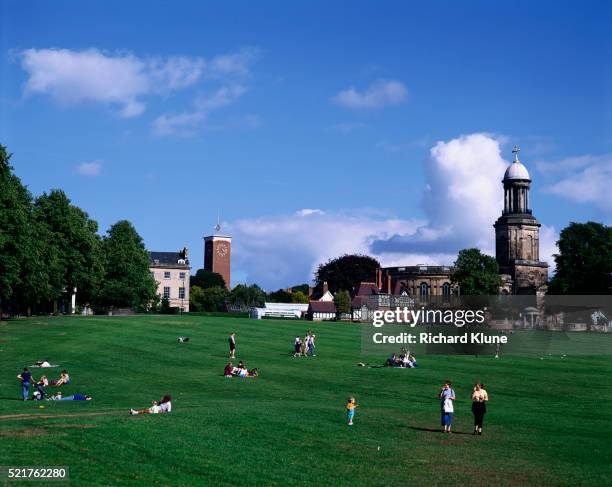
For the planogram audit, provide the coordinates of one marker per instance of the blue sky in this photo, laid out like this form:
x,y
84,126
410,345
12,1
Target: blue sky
x,y
314,127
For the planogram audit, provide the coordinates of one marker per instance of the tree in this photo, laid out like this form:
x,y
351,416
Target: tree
x,y
299,297
584,261
347,272
210,299
342,301
280,296
247,296
127,281
206,279
76,246
476,273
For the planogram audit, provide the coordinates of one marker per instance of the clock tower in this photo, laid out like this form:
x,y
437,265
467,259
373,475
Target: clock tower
x,y
217,254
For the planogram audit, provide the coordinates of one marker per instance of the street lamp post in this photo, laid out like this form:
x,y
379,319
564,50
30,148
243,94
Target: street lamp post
x,y
183,298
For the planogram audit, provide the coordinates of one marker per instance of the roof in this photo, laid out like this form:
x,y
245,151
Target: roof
x,y
167,259
367,289
516,170
321,307
356,302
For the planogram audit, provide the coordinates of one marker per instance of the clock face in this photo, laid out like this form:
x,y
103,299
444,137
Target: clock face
x,y
222,250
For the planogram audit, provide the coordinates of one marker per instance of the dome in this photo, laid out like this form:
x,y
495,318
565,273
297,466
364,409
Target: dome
x,y
516,171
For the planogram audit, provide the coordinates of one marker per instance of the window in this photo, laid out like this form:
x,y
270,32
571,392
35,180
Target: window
x,y
181,293
424,289
446,289
166,274
167,292
181,275
152,274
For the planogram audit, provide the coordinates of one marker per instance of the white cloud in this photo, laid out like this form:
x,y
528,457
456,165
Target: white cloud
x,y
586,179
379,94
462,200
186,124
89,168
121,79
277,251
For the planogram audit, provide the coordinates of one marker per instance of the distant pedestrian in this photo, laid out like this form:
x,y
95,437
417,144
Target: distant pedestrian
x,y
26,379
232,345
350,410
479,406
447,396
297,346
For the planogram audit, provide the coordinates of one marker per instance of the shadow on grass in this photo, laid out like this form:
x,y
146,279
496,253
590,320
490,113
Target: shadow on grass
x,y
435,430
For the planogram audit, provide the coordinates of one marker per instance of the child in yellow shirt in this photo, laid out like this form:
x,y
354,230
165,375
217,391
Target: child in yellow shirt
x,y
350,410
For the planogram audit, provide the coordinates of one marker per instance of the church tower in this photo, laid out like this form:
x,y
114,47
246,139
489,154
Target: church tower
x,y
217,254
517,235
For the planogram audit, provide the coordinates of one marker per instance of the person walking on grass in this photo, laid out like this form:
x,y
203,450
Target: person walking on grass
x,y
447,396
479,406
232,345
26,379
350,410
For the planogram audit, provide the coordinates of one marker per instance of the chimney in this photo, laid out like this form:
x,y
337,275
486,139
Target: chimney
x,y
325,287
379,279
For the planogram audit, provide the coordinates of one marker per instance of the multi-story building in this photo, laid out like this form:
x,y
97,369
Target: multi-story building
x,y
171,271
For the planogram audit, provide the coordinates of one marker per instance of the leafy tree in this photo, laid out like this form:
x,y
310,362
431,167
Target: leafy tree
x,y
247,296
206,279
299,297
280,296
584,261
347,272
24,254
75,243
476,273
303,288
127,280
210,299
342,300
164,307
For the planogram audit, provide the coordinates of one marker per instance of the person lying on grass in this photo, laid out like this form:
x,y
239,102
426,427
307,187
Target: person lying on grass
x,y
63,379
73,397
163,406
42,363
242,371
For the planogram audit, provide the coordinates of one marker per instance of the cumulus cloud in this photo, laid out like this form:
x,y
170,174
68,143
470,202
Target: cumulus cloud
x,y
277,251
89,168
120,79
586,179
379,94
461,201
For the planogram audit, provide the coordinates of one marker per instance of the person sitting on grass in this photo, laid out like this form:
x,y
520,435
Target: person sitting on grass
x,y
63,379
244,372
73,397
163,406
229,370
40,393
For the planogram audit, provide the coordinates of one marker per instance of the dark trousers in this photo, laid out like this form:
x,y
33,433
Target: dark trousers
x,y
479,409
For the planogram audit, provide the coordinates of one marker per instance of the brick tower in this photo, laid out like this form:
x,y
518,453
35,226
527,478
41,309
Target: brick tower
x,y
218,253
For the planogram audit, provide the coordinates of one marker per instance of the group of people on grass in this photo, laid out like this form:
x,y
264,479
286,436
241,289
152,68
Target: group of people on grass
x,y
164,405
239,370
305,347
447,408
405,359
39,392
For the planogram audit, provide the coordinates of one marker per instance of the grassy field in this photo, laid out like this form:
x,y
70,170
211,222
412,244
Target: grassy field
x,y
548,422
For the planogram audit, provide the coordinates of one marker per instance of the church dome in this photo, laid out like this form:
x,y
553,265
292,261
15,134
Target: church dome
x,y
516,170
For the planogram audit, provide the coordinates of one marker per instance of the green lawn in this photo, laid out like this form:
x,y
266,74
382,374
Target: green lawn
x,y
548,422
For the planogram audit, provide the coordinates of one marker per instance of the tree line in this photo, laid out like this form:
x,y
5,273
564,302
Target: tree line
x,y
49,247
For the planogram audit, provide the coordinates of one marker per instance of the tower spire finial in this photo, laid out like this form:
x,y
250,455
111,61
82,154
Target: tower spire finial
x,y
218,225
515,151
